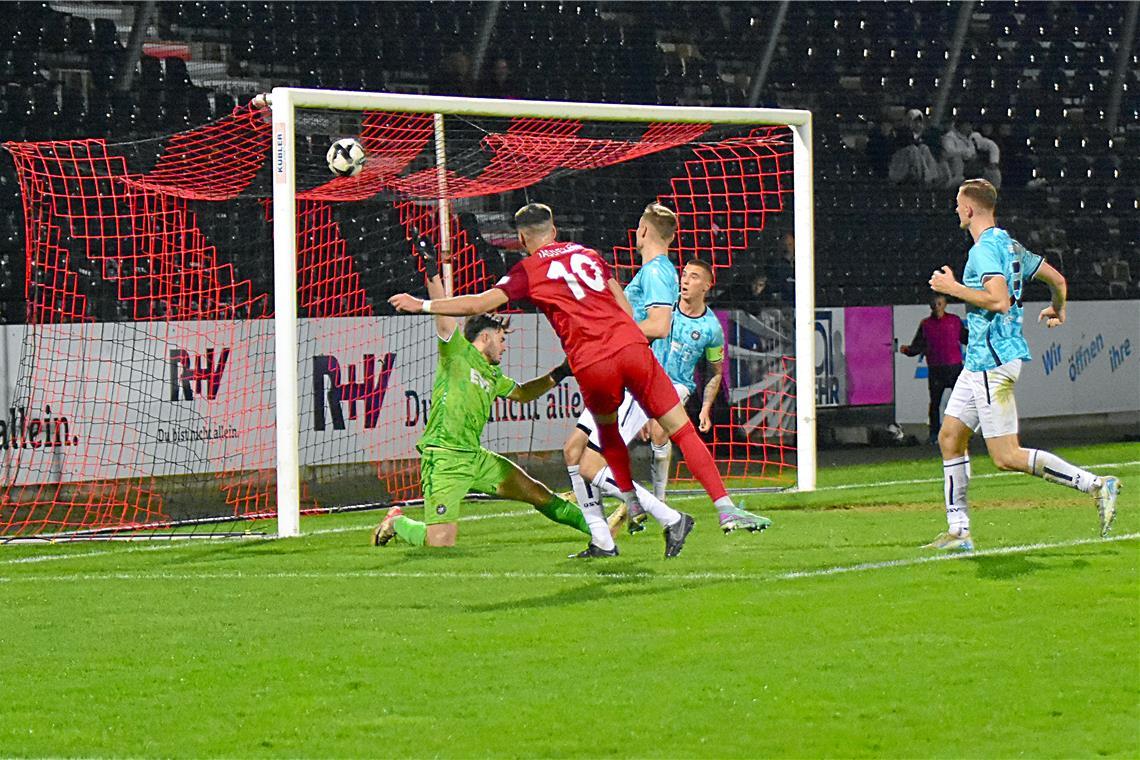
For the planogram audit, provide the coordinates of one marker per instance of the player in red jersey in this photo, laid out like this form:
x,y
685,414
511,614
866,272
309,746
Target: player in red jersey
x,y
573,286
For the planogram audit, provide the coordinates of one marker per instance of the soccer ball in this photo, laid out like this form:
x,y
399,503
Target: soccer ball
x,y
345,157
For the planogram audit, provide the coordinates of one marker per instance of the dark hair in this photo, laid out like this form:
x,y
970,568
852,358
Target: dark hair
x,y
480,322
534,215
702,264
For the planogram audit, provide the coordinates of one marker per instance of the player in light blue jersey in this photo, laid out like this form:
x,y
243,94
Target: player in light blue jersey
x,y
996,271
696,334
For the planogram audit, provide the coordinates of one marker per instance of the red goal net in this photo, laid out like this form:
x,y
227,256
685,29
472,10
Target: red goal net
x,y
139,395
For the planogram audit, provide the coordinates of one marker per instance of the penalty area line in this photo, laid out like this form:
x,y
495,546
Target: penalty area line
x,y
986,476
602,574
997,551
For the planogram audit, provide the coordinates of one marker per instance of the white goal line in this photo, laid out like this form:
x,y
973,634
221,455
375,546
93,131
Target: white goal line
x,y
601,573
496,516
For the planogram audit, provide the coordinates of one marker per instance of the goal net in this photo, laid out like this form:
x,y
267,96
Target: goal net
x,y
208,341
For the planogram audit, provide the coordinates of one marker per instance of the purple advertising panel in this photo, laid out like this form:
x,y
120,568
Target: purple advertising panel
x,y
869,350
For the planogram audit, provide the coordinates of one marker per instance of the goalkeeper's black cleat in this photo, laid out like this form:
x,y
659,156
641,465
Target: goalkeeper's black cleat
x,y
593,550
676,534
426,250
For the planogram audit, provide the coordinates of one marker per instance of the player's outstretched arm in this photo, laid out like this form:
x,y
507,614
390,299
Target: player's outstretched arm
x,y
708,397
532,389
457,306
444,326
994,295
429,254
1054,313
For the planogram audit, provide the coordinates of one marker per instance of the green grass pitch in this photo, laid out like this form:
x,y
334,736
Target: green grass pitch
x,y
832,634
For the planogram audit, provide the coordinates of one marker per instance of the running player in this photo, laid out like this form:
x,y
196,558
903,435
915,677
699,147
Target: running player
x,y
573,286
996,268
452,462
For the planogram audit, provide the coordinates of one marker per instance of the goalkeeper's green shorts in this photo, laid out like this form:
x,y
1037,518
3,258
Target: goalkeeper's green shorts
x,y
448,476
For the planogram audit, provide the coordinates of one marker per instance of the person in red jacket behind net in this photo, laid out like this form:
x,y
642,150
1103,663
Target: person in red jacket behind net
x,y
941,337
573,286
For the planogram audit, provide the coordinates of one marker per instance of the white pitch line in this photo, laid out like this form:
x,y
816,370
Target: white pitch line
x,y
995,552
83,555
558,575
517,513
919,481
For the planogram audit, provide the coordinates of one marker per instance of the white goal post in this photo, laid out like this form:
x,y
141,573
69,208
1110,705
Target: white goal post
x,y
285,102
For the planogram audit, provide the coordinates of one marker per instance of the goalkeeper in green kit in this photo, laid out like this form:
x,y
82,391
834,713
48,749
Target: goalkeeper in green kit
x,y
468,378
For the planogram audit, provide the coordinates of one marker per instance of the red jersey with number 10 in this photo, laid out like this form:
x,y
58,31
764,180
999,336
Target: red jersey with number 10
x,y
568,283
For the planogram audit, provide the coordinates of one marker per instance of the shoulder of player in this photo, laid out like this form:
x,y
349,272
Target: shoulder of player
x,y
987,245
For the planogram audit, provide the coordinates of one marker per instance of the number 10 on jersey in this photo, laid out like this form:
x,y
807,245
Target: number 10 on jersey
x,y
582,271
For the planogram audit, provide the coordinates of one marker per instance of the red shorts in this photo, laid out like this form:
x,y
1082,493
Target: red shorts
x,y
633,368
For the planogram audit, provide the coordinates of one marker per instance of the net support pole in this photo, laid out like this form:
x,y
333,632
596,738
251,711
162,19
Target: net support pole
x,y
445,270
285,331
805,305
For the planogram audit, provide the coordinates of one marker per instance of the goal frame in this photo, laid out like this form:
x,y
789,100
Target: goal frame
x,y
284,102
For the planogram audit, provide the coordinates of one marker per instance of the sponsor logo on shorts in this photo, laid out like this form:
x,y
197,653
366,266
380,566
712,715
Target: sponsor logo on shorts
x,y
441,509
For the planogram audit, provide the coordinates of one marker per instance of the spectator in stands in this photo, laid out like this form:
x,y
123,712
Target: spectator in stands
x,y
498,83
958,150
880,144
453,77
915,161
780,274
941,337
989,155
1115,271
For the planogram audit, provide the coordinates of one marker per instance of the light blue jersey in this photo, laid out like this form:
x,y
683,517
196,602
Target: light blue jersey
x,y
655,284
996,338
690,339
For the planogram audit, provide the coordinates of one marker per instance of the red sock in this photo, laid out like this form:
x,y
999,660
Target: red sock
x,y
699,460
617,455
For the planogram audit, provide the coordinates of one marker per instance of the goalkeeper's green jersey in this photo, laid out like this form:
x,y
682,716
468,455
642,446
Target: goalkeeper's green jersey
x,y
466,385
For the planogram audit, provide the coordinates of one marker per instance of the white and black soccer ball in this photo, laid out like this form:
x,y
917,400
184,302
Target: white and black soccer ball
x,y
345,157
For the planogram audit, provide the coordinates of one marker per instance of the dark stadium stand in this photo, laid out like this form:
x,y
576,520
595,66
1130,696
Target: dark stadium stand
x,y
1037,76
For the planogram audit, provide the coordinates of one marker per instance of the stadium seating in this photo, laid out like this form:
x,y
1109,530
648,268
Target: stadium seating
x,y
1039,76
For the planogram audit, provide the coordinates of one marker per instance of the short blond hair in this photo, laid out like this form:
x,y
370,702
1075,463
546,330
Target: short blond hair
x,y
980,191
662,220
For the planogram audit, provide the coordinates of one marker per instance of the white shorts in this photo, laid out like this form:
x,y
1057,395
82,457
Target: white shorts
x,y
985,400
631,418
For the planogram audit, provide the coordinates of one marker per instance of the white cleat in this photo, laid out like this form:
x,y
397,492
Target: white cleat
x,y
1106,503
952,542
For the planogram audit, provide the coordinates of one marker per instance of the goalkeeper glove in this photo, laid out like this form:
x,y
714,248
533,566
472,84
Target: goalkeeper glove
x,y
561,372
427,252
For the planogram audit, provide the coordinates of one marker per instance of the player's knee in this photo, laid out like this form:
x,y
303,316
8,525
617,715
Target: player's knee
x,y
572,451
948,442
441,534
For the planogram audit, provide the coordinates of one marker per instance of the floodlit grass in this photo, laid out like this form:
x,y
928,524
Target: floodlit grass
x,y
746,645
